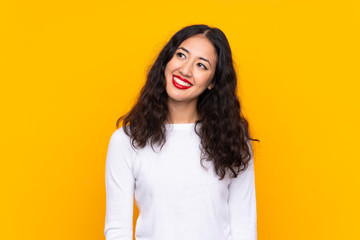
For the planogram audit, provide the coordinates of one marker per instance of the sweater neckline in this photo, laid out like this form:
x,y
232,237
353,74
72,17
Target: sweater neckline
x,y
180,126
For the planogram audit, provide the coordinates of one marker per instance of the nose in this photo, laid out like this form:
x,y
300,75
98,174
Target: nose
x,y
186,69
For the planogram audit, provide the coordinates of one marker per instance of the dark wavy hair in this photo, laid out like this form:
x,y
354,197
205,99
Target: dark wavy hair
x,y
224,131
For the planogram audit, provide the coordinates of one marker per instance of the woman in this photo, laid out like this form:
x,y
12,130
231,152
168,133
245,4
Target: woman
x,y
184,149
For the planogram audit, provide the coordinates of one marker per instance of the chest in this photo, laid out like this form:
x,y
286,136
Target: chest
x,y
176,171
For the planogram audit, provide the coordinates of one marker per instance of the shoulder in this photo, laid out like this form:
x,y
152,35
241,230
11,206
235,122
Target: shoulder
x,y
119,137
251,150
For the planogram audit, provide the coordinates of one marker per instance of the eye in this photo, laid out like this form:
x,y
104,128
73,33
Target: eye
x,y
202,66
180,54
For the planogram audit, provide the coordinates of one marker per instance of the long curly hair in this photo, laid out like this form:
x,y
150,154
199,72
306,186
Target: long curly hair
x,y
224,131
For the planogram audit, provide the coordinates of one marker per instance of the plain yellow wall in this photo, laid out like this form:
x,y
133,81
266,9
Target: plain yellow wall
x,y
69,69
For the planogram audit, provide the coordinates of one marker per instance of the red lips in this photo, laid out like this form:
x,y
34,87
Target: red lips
x,y
182,79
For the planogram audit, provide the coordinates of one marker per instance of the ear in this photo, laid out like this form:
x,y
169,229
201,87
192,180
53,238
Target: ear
x,y
211,85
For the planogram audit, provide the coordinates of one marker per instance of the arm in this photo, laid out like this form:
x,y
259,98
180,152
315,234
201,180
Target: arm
x,y
242,204
119,183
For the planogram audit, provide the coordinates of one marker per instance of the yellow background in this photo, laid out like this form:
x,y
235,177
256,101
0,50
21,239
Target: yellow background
x,y
69,69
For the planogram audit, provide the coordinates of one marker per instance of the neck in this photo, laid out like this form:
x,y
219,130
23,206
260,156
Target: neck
x,y
180,112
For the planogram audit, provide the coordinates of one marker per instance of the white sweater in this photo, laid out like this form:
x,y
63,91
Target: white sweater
x,y
177,198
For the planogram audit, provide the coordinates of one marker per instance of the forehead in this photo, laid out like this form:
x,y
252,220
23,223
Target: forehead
x,y
200,46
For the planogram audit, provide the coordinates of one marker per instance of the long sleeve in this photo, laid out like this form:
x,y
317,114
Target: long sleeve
x,y
242,204
119,183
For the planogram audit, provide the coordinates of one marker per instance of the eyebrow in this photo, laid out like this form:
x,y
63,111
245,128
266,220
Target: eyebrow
x,y
199,57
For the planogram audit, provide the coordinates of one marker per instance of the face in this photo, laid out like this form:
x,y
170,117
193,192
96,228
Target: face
x,y
190,70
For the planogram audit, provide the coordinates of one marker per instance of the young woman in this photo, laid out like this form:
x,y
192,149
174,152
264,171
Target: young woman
x,y
184,149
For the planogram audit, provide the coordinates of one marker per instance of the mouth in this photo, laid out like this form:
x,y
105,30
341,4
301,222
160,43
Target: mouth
x,y
180,82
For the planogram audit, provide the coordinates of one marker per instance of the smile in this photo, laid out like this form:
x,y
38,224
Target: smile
x,y
180,82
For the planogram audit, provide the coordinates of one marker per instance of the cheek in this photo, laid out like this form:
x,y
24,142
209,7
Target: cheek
x,y
166,68
168,72
206,79
170,64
